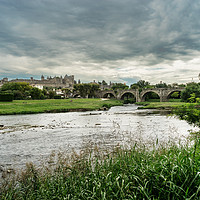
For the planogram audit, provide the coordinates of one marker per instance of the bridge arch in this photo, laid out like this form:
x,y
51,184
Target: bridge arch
x,y
128,95
109,94
171,92
144,94
77,95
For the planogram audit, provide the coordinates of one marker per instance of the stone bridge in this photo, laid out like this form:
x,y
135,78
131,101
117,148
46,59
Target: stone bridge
x,y
163,93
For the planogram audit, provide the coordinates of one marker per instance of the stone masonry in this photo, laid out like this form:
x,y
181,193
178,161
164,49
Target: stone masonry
x,y
55,82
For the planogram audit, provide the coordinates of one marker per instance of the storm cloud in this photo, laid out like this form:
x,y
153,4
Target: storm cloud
x,y
113,40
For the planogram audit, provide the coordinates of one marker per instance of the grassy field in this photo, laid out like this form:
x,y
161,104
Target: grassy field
x,y
160,174
66,105
54,105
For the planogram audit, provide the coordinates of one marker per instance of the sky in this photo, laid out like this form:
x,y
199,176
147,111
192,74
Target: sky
x,y
113,40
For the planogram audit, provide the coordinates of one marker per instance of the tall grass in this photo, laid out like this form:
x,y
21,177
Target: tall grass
x,y
163,173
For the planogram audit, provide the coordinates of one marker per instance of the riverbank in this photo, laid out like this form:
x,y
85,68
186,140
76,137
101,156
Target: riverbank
x,y
55,106
160,105
72,105
136,173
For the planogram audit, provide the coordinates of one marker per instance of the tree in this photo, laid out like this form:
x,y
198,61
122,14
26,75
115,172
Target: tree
x,y
18,94
86,89
93,88
191,88
161,85
21,86
20,90
51,94
134,86
192,98
44,91
36,93
175,95
182,85
67,92
82,89
120,86
143,84
6,96
104,83
151,95
189,113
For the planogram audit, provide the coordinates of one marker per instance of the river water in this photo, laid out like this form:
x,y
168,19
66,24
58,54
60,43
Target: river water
x,y
31,138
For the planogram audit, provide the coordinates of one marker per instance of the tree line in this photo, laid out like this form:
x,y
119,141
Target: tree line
x,y
22,90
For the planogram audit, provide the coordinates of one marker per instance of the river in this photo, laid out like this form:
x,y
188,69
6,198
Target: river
x,y
32,138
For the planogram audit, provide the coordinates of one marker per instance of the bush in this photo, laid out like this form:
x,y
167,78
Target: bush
x,y
107,105
127,101
36,93
190,113
57,97
18,94
191,92
6,96
51,94
43,96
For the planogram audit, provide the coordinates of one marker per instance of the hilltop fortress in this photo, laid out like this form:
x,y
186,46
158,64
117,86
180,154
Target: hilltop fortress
x,y
55,82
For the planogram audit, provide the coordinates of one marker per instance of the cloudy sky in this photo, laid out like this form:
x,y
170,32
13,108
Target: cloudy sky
x,y
112,40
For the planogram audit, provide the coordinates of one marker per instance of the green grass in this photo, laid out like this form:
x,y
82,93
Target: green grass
x,y
160,105
163,174
54,105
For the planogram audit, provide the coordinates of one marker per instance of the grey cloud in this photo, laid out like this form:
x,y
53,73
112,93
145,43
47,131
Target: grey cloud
x,y
58,33
105,22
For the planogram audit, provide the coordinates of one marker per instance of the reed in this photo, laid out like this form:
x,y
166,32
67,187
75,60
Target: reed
x,y
171,173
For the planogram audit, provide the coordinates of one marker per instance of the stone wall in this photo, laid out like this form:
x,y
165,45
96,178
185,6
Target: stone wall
x,y
56,82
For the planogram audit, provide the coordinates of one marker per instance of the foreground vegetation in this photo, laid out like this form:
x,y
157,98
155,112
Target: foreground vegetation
x,y
54,105
162,173
190,113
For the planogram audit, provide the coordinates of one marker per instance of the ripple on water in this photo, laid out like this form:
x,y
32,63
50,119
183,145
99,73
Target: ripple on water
x,y
30,138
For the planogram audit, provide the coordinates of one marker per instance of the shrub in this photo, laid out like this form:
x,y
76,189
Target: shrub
x,y
51,94
190,113
6,96
192,90
36,93
57,97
